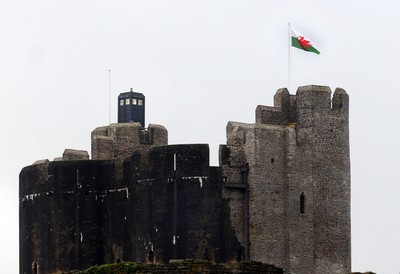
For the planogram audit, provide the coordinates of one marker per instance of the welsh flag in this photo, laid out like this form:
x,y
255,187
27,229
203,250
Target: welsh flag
x,y
302,42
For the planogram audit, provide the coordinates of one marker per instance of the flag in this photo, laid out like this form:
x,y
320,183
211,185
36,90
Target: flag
x,y
302,42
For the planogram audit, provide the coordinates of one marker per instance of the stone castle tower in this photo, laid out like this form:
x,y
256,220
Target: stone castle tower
x,y
299,180
281,194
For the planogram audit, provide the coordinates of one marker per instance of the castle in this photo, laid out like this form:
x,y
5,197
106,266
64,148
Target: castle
x,y
280,195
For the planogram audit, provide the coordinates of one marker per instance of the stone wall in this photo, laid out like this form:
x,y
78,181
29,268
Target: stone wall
x,y
61,213
122,139
179,206
74,154
168,205
119,141
299,181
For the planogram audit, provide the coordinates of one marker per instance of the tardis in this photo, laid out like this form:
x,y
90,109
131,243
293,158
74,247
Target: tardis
x,y
131,107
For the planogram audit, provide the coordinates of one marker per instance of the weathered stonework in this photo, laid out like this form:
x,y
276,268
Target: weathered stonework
x,y
298,152
119,141
73,155
281,194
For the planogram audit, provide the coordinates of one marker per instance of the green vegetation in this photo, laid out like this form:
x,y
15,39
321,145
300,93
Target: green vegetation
x,y
181,266
121,268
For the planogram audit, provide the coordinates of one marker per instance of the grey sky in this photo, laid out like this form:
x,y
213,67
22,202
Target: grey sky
x,y
200,64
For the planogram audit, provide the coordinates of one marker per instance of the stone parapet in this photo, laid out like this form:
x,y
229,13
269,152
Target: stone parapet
x,y
122,139
74,155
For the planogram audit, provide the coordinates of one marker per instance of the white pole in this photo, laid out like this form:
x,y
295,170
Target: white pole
x,y
290,43
109,96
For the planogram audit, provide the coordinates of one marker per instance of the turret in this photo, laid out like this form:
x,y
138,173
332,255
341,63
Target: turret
x,y
298,181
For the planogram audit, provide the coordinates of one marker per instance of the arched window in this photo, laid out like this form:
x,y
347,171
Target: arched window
x,y
302,203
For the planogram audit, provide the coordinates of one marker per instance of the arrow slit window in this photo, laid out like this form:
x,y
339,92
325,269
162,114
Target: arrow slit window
x,y
302,203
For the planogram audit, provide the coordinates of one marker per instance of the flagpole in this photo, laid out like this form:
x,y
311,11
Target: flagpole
x,y
289,56
109,97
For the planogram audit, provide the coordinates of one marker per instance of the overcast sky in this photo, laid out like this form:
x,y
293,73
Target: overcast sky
x,y
200,64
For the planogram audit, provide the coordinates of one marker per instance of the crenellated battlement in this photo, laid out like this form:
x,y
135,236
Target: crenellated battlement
x,y
302,107
279,114
340,100
120,140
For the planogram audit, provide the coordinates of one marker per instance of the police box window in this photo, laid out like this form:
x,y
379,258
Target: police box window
x,y
121,102
127,101
134,101
140,102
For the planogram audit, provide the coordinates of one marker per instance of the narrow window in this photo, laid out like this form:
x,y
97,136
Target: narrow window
x,y
140,102
272,160
206,255
121,102
134,101
35,268
127,101
302,203
150,257
239,255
